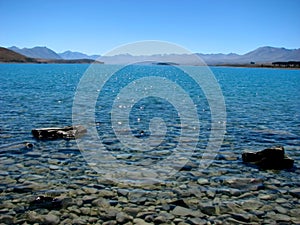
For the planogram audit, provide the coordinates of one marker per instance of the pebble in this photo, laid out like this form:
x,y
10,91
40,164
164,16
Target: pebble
x,y
210,196
241,217
122,217
280,209
51,219
160,219
6,219
181,211
139,221
202,181
281,218
295,192
79,221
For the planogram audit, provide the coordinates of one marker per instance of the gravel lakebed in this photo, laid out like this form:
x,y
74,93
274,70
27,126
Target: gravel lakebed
x,y
227,192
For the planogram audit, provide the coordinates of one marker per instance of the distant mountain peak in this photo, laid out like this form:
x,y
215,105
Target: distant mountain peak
x,y
264,54
77,55
41,52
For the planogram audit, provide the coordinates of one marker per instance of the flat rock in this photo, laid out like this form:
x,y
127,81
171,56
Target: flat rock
x,y
6,219
269,158
295,192
181,211
139,221
52,133
122,217
51,219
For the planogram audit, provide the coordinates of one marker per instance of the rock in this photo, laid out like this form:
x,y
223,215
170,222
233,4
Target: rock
x,y
281,218
51,133
79,221
132,211
33,217
6,219
269,158
252,205
46,202
208,209
51,219
295,192
111,222
197,221
160,219
181,211
241,217
85,210
178,202
122,217
138,221
202,181
281,210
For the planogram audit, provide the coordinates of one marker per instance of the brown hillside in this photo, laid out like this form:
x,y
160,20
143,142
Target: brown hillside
x,y
7,55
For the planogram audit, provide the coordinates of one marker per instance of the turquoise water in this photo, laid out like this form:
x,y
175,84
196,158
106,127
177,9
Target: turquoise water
x,y
262,105
262,108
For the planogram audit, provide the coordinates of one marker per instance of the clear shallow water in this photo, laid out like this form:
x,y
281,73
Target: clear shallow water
x,y
262,107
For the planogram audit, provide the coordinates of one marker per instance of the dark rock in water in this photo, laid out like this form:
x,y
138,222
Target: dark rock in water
x,y
28,145
270,158
51,133
46,203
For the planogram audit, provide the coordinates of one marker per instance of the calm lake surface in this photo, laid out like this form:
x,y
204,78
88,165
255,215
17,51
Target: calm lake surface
x,y
262,110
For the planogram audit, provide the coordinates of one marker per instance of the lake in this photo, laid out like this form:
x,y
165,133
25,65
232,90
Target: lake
x,y
164,140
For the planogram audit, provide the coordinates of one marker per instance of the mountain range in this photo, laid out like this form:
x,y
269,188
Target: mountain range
x,y
46,53
260,55
10,56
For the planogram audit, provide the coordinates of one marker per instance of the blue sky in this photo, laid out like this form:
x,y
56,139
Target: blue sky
x,y
95,27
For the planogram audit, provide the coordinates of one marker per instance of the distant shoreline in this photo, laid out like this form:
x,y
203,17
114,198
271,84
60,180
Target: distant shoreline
x,y
44,62
268,66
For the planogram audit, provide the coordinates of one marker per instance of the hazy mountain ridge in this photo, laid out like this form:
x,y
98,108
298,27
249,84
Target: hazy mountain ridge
x,y
36,52
265,54
10,56
77,55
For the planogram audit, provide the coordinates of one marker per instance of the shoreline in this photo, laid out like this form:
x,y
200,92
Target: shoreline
x,y
267,66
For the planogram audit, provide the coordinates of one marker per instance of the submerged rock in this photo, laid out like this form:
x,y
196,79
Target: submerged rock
x,y
46,202
269,158
51,133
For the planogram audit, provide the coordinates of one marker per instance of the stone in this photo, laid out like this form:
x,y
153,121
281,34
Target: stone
x,y
111,222
202,181
295,192
281,218
269,158
122,217
181,211
197,221
85,210
209,210
51,219
241,217
160,219
266,197
52,133
139,221
33,217
280,209
79,221
45,202
178,202
132,211
6,219
252,205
